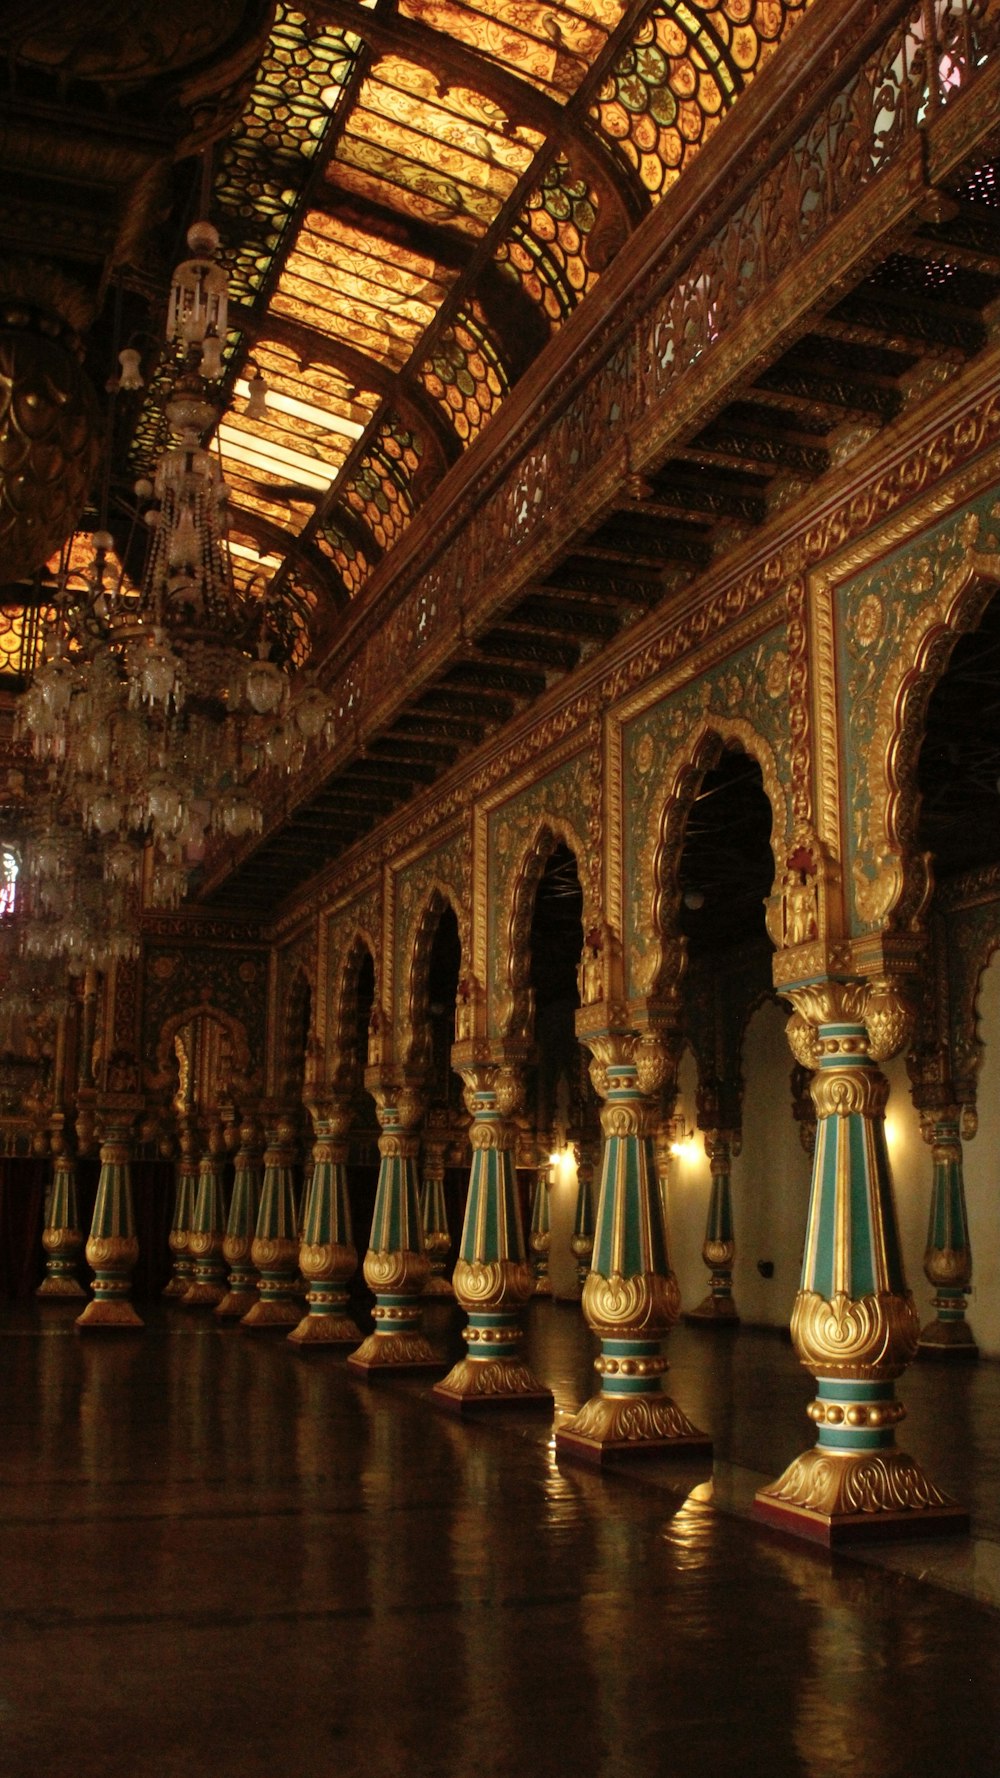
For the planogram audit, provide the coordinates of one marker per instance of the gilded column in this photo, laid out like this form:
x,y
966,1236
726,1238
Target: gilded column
x,y
396,1266
630,1299
182,1222
328,1258
948,1254
437,1235
493,1279
62,1237
241,1226
208,1228
719,1247
112,1248
274,1251
582,1242
540,1238
854,1324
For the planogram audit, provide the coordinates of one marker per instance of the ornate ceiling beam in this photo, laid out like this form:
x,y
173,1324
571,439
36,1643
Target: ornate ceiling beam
x,y
457,65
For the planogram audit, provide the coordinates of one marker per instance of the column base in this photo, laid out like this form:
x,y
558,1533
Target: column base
x,y
838,1497
394,1352
478,1383
60,1285
325,1330
272,1312
176,1287
715,1311
203,1295
630,1426
438,1287
947,1339
116,1312
234,1305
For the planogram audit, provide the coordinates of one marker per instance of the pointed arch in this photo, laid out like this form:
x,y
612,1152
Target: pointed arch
x,y
700,752
891,877
345,1058
418,942
515,1013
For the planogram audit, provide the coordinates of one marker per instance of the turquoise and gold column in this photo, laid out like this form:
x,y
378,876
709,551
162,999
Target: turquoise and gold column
x,y
208,1229
328,1258
719,1247
433,1211
948,1255
540,1237
854,1324
182,1222
241,1226
112,1248
630,1299
582,1242
62,1237
396,1267
493,1279
274,1251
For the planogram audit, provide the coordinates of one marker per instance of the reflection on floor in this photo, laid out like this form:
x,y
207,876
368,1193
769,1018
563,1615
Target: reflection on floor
x,y
221,1555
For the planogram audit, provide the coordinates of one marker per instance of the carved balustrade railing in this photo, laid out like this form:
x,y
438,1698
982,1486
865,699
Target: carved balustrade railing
x,y
853,132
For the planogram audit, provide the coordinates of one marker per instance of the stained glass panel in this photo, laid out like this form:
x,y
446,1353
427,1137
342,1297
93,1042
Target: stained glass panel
x,y
686,66
347,557
373,293
465,374
379,491
551,45
265,163
546,249
439,157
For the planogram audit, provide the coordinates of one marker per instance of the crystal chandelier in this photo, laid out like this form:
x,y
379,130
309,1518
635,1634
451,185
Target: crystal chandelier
x,y
157,705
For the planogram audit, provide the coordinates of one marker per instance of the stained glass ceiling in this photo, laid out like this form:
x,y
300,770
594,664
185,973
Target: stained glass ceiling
x,y
416,198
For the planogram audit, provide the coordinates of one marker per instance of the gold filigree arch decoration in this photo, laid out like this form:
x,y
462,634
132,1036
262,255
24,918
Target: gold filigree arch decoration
x,y
516,1012
896,895
345,1059
966,976
700,752
417,945
216,1057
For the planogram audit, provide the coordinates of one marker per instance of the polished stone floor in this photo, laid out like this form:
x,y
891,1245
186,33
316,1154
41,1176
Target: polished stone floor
x,y
219,1555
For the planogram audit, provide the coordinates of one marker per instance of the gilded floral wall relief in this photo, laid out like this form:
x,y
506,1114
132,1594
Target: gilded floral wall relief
x,y
666,751
897,624
178,980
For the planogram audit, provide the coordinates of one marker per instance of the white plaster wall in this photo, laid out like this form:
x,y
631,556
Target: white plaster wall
x,y
687,1195
770,1177
770,1181
562,1217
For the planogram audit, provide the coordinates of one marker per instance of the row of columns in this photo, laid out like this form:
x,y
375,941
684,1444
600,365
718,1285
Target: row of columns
x,y
854,1325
